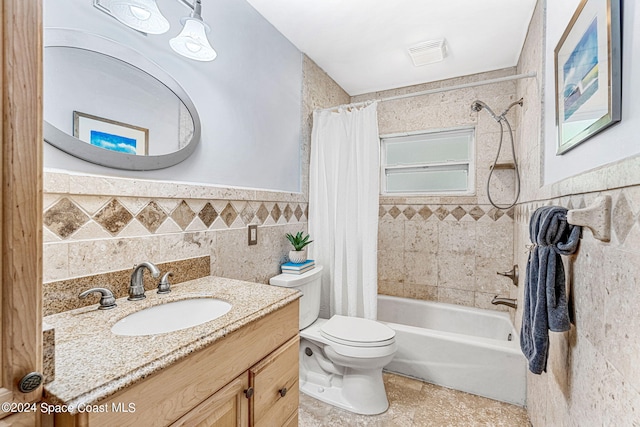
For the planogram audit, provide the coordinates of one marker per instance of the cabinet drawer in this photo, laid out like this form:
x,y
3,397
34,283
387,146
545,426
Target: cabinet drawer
x,y
275,384
228,407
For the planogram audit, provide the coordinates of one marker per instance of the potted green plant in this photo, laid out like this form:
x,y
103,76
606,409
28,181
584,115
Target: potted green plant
x,y
299,242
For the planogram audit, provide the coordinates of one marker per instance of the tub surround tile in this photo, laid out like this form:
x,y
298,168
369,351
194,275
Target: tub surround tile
x,y
448,247
62,295
391,266
391,288
456,296
419,291
79,382
391,234
420,268
483,300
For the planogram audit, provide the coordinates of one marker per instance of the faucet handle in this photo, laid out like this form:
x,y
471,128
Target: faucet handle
x,y
107,300
164,287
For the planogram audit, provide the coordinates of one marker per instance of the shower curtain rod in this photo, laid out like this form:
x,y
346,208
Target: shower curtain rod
x,y
437,90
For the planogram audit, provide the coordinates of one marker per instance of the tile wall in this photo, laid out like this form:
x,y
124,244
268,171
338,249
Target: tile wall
x,y
449,248
593,372
97,227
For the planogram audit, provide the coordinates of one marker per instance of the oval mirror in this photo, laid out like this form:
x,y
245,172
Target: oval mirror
x,y
107,104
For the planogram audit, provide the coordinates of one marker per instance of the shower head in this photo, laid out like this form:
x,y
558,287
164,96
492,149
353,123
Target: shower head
x,y
478,105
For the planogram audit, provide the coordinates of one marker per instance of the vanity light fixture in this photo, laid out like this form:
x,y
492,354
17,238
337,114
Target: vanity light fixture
x,y
145,17
141,15
192,41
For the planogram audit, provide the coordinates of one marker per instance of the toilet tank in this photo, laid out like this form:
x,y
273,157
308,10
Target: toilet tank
x,y
309,284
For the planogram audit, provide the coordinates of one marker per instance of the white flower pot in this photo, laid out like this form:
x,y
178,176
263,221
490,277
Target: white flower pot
x,y
298,256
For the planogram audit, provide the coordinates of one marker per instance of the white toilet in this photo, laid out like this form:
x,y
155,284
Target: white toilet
x,y
341,358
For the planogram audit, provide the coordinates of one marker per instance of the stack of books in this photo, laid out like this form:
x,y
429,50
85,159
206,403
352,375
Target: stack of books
x,y
298,268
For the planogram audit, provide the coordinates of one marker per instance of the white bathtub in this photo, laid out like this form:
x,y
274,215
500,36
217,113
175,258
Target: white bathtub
x,y
463,348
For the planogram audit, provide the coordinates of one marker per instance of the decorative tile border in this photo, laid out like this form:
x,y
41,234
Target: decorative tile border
x,y
67,215
443,212
623,216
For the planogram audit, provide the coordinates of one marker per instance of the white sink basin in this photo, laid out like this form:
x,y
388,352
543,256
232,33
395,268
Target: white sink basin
x,y
171,316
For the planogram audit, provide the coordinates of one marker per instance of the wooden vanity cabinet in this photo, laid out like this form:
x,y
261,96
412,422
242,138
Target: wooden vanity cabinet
x,y
266,395
228,407
275,384
261,357
20,209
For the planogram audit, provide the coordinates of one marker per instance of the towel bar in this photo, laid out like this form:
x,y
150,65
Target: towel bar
x,y
596,218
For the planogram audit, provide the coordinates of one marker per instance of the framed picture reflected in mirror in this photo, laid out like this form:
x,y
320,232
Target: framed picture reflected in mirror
x,y
110,134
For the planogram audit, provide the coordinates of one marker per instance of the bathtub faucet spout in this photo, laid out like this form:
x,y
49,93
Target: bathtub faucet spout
x,y
509,302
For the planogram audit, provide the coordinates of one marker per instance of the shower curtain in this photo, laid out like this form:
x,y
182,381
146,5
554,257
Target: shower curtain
x,y
343,208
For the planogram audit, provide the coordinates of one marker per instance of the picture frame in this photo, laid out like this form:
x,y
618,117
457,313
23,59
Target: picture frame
x,y
588,73
110,134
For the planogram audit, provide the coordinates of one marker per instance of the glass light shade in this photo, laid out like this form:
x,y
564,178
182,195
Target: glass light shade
x,y
192,41
141,15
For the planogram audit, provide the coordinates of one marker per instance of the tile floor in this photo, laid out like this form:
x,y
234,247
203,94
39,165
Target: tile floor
x,y
413,403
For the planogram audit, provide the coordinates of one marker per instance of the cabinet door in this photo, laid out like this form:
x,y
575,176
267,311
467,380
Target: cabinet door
x,y
275,386
229,407
20,206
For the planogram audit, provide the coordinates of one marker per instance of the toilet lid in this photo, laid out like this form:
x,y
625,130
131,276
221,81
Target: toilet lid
x,y
357,332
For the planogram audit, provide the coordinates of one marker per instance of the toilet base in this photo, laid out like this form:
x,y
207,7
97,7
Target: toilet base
x,y
360,391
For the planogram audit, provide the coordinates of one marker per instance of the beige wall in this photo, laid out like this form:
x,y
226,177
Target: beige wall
x,y
593,375
443,248
98,225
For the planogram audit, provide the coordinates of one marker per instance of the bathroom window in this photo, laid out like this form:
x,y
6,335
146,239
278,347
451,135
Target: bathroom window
x,y
433,162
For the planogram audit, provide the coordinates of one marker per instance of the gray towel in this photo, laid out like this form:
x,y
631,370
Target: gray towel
x,y
545,296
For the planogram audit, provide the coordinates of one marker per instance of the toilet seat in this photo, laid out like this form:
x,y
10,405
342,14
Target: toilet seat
x,y
357,332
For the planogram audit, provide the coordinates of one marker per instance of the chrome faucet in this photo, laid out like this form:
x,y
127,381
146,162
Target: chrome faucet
x,y
136,286
164,287
107,300
509,302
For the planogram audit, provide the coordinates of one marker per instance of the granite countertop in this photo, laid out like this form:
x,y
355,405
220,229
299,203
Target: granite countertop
x,y
92,363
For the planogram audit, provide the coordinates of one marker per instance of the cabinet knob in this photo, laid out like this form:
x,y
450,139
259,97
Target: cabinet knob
x,y
249,392
283,392
30,382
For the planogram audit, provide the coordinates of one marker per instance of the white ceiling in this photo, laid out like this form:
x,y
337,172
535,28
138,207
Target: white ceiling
x,y
362,44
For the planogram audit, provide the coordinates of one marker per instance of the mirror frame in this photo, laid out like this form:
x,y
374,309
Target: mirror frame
x,y
63,37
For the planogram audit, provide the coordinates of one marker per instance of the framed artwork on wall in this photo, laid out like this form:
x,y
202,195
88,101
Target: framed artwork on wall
x,y
588,73
110,134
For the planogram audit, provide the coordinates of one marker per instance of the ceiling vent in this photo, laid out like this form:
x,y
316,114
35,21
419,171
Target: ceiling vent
x,y
428,52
